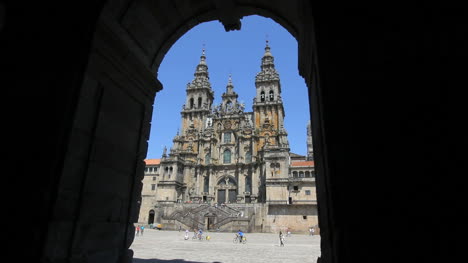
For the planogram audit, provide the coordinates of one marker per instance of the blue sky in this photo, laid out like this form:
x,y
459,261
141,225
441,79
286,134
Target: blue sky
x,y
237,53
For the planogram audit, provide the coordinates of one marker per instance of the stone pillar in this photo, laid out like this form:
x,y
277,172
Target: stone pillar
x,y
255,179
197,183
240,188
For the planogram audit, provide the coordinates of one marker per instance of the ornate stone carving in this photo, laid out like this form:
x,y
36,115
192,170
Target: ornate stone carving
x,y
227,124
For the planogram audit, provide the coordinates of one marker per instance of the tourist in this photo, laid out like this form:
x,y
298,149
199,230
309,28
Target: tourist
x,y
142,229
288,232
200,233
241,235
311,231
137,230
281,237
186,234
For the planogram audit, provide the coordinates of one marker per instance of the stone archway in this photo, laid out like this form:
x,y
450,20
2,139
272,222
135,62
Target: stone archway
x,y
79,219
151,215
210,220
108,122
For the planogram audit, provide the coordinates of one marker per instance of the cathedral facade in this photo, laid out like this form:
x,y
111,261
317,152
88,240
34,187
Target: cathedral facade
x,y
230,168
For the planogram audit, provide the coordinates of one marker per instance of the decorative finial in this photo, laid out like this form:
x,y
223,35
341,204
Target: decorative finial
x,y
203,49
266,40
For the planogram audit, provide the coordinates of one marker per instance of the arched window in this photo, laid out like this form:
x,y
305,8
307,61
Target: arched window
x,y
295,174
199,102
227,137
307,174
227,156
272,95
262,96
207,158
301,174
248,157
191,103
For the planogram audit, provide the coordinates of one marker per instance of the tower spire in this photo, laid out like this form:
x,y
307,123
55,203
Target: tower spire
x,y
268,71
230,94
201,75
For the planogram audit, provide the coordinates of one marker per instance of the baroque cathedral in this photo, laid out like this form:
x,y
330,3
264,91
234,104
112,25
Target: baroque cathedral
x,y
230,168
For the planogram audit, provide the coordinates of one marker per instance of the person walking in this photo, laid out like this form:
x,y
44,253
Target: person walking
x,y
137,228
186,234
142,228
288,231
281,237
311,230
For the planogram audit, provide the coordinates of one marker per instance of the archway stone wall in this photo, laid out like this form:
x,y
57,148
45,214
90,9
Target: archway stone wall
x,y
101,183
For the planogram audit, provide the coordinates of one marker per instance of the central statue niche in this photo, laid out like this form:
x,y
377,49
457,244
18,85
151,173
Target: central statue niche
x,y
227,190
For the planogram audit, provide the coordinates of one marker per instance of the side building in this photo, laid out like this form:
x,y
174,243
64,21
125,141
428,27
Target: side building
x,y
228,168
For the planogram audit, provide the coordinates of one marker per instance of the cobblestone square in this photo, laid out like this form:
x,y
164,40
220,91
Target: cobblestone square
x,y
169,246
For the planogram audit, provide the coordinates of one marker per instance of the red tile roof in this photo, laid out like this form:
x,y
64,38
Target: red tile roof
x,y
303,163
152,161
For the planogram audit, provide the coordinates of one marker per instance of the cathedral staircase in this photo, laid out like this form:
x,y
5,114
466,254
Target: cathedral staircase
x,y
195,217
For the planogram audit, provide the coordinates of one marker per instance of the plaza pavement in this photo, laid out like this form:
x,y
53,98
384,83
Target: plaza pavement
x,y
157,246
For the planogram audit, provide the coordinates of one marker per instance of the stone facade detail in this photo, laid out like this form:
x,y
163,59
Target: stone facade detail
x,y
228,168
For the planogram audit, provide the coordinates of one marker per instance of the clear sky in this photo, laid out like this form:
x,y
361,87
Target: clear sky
x,y
237,53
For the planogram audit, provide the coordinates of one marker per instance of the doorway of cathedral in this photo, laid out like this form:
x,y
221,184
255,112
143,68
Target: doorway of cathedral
x,y
221,196
232,195
227,190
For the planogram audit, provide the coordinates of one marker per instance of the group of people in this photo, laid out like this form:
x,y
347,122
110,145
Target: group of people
x,y
288,234
197,234
139,229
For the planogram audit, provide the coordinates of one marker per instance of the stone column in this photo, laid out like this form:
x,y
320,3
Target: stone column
x,y
197,183
241,188
255,178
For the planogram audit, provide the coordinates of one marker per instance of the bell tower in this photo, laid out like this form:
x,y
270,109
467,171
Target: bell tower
x,y
268,106
197,107
199,97
271,137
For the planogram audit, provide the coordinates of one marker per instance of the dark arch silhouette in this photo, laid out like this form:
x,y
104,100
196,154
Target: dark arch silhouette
x,y
93,90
